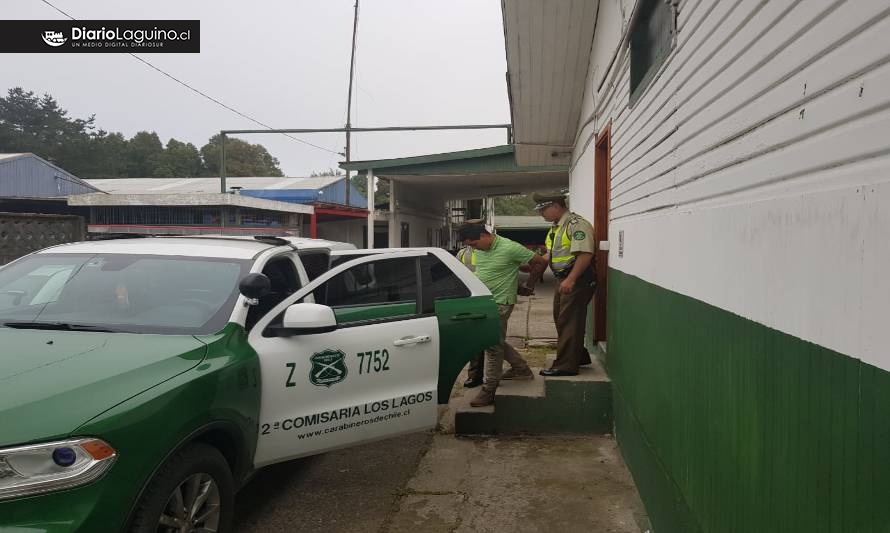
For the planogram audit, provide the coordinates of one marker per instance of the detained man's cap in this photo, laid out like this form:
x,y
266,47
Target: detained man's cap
x,y
545,198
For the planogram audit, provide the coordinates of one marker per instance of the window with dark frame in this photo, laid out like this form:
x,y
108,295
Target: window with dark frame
x,y
651,40
444,283
379,282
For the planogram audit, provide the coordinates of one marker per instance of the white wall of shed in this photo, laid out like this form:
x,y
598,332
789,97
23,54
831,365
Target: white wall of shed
x,y
413,204
752,174
351,231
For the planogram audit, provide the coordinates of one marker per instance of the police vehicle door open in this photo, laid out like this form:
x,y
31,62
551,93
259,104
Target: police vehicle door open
x,y
351,357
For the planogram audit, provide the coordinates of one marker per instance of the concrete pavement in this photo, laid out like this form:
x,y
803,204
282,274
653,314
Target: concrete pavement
x,y
532,316
345,491
519,484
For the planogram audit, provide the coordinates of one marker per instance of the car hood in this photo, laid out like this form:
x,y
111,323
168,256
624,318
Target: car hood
x,y
51,382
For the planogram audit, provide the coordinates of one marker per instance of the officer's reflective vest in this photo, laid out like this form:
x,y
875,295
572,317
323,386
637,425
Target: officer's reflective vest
x,y
560,247
467,256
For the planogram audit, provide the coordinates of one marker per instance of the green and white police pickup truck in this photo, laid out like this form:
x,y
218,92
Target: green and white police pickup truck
x,y
143,380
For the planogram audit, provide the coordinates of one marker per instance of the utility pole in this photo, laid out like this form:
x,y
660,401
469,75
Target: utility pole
x,y
349,110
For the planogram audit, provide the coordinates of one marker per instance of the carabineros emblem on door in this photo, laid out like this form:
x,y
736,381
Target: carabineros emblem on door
x,y
328,368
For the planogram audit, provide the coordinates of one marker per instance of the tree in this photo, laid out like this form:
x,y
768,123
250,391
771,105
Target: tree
x,y
325,173
38,124
242,159
178,160
105,156
144,155
29,123
514,205
381,188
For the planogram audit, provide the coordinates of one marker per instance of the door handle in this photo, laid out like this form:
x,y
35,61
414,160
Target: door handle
x,y
469,316
407,341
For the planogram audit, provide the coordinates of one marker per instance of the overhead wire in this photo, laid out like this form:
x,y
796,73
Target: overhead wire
x,y
207,96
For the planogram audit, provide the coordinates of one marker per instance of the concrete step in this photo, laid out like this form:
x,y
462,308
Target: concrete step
x,y
570,404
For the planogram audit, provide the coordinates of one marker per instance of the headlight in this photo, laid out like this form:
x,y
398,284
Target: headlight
x,y
38,468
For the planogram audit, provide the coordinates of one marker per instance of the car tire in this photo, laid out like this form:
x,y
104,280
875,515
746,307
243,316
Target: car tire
x,y
193,488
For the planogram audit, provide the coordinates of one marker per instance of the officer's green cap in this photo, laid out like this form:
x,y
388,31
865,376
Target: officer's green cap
x,y
545,198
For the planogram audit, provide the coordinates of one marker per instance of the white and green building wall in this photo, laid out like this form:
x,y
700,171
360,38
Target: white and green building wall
x,y
735,155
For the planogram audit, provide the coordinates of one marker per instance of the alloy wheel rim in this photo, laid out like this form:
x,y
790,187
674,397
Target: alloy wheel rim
x,y
193,506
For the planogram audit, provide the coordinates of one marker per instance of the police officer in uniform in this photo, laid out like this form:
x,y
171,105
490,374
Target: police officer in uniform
x,y
475,373
570,248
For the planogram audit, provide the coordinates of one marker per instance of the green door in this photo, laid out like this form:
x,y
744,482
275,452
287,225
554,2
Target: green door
x,y
467,324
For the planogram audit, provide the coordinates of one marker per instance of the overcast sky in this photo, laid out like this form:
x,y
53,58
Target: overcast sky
x,y
286,63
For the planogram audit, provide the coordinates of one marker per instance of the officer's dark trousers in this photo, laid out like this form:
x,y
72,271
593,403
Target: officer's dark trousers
x,y
570,316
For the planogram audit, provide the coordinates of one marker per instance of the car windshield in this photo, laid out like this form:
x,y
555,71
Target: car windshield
x,y
120,292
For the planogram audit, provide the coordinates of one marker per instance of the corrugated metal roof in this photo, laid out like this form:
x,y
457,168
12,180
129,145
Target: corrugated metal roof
x,y
326,189
520,222
26,175
429,158
334,193
207,185
493,160
186,200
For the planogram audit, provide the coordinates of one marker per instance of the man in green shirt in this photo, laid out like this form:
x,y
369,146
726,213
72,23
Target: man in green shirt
x,y
497,266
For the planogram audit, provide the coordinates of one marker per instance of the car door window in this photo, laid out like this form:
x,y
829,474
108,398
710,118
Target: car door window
x,y
444,282
372,291
284,281
337,260
315,262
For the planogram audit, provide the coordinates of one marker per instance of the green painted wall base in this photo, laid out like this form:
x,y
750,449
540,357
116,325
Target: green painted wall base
x,y
568,405
729,426
664,502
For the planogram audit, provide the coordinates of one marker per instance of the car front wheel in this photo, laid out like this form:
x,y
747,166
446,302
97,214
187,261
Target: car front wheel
x,y
192,491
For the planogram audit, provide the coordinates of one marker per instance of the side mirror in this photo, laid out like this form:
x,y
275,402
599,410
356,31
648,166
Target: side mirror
x,y
306,319
254,286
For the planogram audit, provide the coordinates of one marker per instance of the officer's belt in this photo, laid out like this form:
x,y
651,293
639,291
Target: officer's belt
x,y
563,274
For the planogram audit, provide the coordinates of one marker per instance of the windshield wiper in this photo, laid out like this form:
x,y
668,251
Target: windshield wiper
x,y
58,326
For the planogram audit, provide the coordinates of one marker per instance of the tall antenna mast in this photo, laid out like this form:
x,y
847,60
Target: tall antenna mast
x,y
349,110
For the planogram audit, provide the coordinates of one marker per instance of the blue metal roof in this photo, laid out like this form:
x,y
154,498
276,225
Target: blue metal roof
x,y
335,193
29,176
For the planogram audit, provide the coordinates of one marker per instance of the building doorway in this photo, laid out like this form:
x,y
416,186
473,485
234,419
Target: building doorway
x,y
602,185
405,235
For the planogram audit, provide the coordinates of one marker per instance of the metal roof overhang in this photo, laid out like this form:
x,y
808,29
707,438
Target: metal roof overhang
x,y
467,174
185,200
548,50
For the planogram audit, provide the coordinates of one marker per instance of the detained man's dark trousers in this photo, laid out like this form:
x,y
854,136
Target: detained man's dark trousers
x,y
477,367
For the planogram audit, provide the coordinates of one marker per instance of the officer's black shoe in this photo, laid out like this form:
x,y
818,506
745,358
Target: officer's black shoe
x,y
551,372
472,382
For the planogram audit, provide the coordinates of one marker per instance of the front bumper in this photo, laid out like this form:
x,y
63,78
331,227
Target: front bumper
x,y
102,506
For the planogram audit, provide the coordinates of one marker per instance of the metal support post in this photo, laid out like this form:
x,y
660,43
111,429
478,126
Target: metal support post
x,y
222,163
370,196
395,230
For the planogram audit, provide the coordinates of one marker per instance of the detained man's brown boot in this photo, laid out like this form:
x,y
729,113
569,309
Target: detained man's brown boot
x,y
485,397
